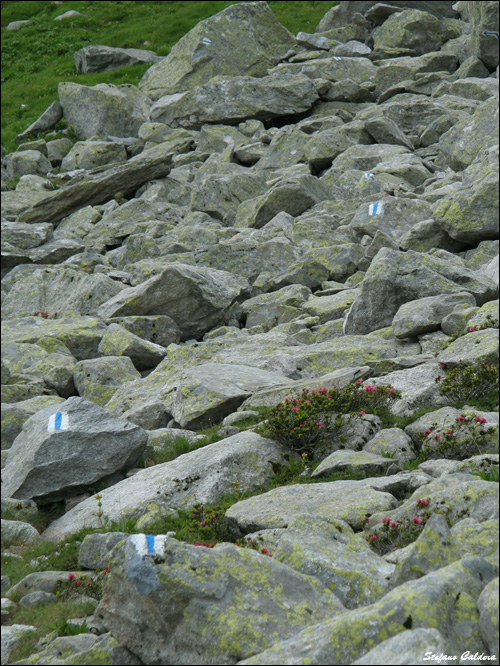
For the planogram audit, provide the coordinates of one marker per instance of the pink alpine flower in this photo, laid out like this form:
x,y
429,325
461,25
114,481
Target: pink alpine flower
x,y
373,537
416,520
427,432
362,413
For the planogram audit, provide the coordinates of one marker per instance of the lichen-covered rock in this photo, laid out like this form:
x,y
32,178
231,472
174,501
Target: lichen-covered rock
x,y
242,39
104,109
231,100
488,615
97,58
220,604
118,341
96,549
425,314
97,379
27,162
334,500
392,442
442,600
477,538
352,461
92,154
76,443
408,647
15,533
205,475
473,348
195,298
15,414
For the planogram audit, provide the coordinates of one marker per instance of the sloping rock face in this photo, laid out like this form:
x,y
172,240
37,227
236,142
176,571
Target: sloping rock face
x,y
264,215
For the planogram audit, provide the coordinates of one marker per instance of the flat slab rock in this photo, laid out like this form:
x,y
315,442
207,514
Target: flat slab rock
x,y
205,475
350,501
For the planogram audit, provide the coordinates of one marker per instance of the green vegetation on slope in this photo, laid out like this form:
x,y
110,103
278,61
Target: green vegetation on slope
x,y
39,55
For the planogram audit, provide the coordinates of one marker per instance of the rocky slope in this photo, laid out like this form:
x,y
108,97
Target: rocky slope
x,y
263,214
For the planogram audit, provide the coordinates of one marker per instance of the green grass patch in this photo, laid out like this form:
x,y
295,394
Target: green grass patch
x,y
39,55
47,618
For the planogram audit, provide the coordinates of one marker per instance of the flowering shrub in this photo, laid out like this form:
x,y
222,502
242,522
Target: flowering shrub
x,y
398,534
89,587
45,314
468,382
462,440
306,422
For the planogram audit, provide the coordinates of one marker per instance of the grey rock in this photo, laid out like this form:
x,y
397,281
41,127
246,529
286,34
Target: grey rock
x,y
384,130
408,647
96,443
97,58
101,187
28,162
15,533
426,314
205,475
231,100
26,236
104,109
97,379
352,461
324,642
38,598
12,636
473,348
96,549
387,286
393,442
333,500
488,615
218,591
195,298
49,118
92,154
118,341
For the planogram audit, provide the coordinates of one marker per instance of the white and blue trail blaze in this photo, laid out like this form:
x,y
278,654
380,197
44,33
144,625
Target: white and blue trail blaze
x,y
149,544
376,208
58,421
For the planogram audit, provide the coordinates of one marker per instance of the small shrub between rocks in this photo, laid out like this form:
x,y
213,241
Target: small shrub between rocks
x,y
469,382
466,438
396,534
88,587
306,422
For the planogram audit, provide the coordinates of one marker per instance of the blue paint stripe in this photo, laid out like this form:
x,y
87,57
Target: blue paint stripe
x,y
375,206
150,542
58,421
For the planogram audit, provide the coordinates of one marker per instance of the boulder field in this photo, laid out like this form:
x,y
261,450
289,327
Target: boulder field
x,y
263,214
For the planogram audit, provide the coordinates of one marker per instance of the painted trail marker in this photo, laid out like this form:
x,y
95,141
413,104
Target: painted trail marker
x,y
205,40
58,421
376,208
149,544
493,33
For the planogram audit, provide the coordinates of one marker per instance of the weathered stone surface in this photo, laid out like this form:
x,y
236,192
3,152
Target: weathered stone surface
x,y
101,187
235,602
96,549
104,109
425,314
118,341
408,647
60,288
325,642
97,379
473,348
26,236
12,636
82,446
28,162
471,136
46,121
92,154
394,278
97,58
488,615
160,329
334,500
392,442
244,39
415,31
195,298
15,533
15,414
231,100
352,461
205,475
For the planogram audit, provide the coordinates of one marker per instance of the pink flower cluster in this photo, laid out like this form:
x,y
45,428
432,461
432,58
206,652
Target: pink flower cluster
x,y
392,524
423,502
207,545
264,551
480,419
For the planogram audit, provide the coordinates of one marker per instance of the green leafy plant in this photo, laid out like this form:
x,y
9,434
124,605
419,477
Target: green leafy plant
x,y
307,422
65,628
83,585
394,534
465,438
468,382
492,474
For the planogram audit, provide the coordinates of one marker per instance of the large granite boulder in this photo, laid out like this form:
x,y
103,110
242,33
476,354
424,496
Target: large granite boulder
x,y
170,601
104,109
231,100
75,444
195,298
244,39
